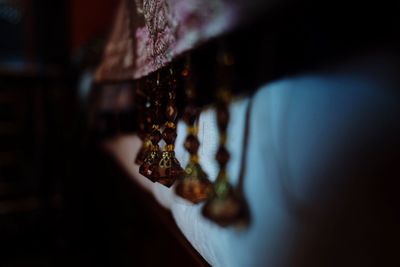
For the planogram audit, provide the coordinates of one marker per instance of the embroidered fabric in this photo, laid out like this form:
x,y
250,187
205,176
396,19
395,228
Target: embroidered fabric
x,y
148,34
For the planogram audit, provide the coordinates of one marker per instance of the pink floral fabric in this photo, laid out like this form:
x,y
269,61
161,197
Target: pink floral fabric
x,y
148,34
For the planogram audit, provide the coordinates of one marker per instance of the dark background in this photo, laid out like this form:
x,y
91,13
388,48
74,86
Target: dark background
x,y
63,200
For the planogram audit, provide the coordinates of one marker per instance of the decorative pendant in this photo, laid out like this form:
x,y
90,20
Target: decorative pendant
x,y
225,207
149,167
169,168
195,185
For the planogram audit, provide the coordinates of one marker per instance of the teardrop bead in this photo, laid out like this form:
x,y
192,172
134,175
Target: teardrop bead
x,y
226,207
147,169
169,169
192,144
195,185
222,156
144,150
169,135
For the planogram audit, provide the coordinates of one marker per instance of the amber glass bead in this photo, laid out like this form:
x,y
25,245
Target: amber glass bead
x,y
144,151
224,211
149,168
171,112
194,186
222,156
155,136
149,171
190,114
192,144
224,207
169,135
170,124
169,169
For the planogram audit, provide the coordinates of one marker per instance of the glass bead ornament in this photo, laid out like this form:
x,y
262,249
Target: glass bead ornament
x,y
194,185
169,168
226,206
149,167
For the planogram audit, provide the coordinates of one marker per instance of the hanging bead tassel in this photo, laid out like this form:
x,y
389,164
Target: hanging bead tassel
x,y
169,168
195,185
223,207
149,168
